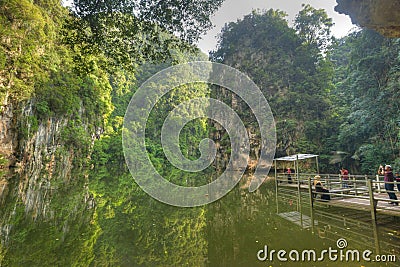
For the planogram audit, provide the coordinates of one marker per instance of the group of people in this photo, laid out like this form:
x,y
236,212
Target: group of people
x,y
386,171
389,179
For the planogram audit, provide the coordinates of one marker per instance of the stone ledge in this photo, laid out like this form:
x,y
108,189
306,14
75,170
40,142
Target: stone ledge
x,y
382,16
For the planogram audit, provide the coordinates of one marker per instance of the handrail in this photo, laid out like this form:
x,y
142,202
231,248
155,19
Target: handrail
x,y
363,189
357,186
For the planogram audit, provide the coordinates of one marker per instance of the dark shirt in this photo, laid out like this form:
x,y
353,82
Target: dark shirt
x,y
389,177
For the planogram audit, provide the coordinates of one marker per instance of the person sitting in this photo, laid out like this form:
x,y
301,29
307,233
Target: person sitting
x,y
320,189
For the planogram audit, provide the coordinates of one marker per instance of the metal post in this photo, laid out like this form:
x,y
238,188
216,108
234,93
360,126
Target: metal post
x,y
373,203
311,204
355,185
294,167
297,169
276,189
298,189
378,183
328,182
316,159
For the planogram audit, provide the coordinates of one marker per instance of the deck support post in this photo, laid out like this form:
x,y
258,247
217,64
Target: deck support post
x,y
355,185
378,183
311,204
298,190
373,203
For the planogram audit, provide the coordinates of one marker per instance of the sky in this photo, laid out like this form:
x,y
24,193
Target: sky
x,y
232,10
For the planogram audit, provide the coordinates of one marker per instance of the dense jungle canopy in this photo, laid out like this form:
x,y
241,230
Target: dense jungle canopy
x,y
333,97
338,98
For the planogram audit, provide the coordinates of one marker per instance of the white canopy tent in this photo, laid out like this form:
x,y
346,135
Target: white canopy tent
x,y
295,158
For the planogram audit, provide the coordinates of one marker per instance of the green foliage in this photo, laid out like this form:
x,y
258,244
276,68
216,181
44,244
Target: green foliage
x,y
108,151
138,230
37,64
313,27
3,163
290,70
76,136
65,238
58,96
28,34
368,65
130,32
28,126
42,109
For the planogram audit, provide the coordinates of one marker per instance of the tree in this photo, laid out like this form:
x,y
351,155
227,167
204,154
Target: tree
x,y
132,31
294,78
370,126
314,27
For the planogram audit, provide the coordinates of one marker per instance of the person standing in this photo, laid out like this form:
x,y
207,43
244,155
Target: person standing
x,y
344,174
389,179
397,176
289,177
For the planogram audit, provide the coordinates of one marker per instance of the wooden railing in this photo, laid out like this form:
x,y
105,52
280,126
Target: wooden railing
x,y
367,187
360,192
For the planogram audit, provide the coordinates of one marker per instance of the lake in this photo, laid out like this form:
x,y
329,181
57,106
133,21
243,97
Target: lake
x,y
102,218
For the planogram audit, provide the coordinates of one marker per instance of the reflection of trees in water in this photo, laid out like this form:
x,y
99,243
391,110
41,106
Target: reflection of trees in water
x,y
229,222
333,223
62,235
140,231
356,227
241,223
131,229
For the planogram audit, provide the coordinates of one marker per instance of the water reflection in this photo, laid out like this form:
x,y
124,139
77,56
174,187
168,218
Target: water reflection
x,y
57,230
128,228
332,223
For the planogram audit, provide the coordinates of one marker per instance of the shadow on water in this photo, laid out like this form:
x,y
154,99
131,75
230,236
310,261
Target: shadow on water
x,y
129,228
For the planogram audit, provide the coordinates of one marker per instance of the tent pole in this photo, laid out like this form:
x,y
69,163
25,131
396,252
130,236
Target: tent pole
x,y
298,189
276,189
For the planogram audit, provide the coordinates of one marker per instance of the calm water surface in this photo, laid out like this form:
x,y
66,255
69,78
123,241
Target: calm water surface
x,y
125,227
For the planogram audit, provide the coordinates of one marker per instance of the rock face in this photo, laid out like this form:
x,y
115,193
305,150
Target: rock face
x,y
382,16
40,179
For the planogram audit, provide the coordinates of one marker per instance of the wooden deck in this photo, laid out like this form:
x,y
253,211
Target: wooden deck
x,y
352,198
360,212
382,207
296,217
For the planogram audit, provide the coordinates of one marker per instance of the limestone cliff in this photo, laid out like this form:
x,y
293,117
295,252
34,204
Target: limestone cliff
x,y
380,15
40,178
